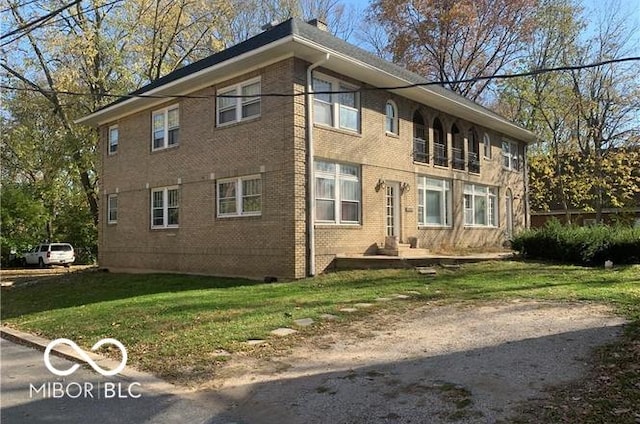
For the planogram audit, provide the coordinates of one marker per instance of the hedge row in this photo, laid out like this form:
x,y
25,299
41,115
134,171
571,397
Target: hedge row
x,y
590,246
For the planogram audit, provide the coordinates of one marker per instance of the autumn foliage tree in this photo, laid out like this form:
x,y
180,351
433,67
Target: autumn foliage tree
x,y
586,118
456,41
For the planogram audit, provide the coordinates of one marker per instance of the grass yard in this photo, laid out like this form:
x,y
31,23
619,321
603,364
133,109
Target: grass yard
x,y
173,325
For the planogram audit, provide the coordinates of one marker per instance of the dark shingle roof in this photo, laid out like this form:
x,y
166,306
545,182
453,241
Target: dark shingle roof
x,y
305,31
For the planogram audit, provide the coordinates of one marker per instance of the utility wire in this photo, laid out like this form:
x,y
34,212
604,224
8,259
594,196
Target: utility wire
x,y
47,22
39,20
26,3
387,88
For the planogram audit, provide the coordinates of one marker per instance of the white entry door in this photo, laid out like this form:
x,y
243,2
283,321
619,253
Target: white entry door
x,y
392,203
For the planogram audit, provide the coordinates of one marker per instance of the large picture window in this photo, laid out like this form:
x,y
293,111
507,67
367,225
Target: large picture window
x,y
241,196
434,202
166,127
165,207
243,103
335,103
480,206
337,193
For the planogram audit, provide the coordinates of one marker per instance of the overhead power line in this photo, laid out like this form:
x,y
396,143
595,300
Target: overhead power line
x,y
361,89
39,20
54,21
26,3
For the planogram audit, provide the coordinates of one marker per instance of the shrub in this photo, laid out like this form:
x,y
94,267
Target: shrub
x,y
580,245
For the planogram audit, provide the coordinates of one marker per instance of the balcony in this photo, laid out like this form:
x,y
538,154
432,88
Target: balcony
x,y
440,154
474,162
420,153
458,158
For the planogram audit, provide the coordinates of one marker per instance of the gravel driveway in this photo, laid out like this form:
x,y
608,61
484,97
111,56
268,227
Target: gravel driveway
x,y
452,363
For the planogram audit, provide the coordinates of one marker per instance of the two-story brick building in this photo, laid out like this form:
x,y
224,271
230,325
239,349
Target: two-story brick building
x,y
271,157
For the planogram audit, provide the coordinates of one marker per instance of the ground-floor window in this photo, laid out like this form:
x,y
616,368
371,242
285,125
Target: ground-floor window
x,y
337,196
112,209
480,206
240,196
434,202
165,207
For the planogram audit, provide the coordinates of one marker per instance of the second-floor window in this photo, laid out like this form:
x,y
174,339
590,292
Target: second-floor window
x,y
166,127
391,118
113,139
242,103
510,155
335,103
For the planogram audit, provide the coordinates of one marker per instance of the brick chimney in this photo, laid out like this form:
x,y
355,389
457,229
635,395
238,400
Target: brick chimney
x,y
318,23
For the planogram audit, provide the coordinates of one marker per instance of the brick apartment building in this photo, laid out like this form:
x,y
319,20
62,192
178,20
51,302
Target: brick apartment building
x,y
209,172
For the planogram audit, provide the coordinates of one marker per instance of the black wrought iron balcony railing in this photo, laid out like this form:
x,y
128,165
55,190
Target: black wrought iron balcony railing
x,y
420,153
474,162
458,158
440,154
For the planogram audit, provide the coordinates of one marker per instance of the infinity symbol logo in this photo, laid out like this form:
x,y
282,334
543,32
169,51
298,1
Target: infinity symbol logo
x,y
84,356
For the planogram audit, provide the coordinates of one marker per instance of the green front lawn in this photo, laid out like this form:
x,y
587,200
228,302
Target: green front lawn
x,y
173,325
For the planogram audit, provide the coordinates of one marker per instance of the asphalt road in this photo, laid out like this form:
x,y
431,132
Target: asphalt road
x,y
85,396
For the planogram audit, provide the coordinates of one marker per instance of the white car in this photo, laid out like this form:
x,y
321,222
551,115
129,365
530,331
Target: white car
x,y
50,254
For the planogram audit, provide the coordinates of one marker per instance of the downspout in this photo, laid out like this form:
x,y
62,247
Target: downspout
x,y
527,210
311,187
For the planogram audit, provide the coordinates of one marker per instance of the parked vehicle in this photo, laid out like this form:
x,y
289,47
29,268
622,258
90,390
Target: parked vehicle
x,y
50,254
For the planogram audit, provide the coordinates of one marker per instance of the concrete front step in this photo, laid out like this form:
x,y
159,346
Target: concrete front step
x,y
403,251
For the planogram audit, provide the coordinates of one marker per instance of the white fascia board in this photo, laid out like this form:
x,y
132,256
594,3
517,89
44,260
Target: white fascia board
x,y
422,94
184,86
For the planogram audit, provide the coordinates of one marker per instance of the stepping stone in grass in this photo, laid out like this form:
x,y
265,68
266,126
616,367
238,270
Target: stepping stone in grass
x,y
401,296
303,322
254,342
329,317
426,270
413,292
282,332
349,310
382,299
363,305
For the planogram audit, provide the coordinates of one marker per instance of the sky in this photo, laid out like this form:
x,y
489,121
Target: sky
x,y
629,8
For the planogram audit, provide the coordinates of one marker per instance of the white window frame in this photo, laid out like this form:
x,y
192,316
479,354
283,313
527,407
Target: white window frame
x,y
487,146
113,144
338,177
112,209
337,107
239,196
165,114
510,155
236,90
491,213
165,206
441,186
391,121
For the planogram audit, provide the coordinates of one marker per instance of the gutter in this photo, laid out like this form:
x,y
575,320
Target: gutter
x,y
311,187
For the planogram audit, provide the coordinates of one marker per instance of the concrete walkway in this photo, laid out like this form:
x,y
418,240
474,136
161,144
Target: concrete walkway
x,y
32,394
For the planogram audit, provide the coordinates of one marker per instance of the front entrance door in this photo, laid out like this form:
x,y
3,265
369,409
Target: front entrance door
x,y
392,203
